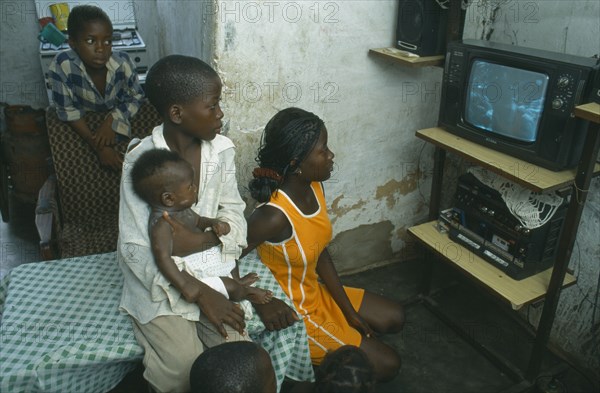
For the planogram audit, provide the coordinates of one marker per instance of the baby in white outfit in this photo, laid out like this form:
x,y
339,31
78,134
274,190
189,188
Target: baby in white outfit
x,y
166,182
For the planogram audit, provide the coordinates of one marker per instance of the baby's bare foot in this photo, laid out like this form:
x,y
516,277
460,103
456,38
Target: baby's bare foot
x,y
249,279
259,295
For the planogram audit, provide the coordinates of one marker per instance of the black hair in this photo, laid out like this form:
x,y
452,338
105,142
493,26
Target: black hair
x,y
148,164
80,15
345,370
289,136
177,79
232,367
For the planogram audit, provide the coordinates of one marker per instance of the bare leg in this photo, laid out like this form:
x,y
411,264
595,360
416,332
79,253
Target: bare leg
x,y
384,316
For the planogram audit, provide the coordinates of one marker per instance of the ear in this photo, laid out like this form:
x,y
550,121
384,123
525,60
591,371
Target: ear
x,y
175,113
71,42
167,198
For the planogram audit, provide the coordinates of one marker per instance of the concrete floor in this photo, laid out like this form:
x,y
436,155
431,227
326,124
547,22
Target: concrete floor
x,y
435,358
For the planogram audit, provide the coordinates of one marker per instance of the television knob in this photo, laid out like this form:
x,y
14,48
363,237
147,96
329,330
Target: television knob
x,y
557,103
563,82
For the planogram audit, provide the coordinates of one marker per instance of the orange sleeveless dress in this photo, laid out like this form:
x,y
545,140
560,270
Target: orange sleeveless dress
x,y
293,263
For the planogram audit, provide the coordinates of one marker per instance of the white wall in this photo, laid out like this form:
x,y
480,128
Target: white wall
x,y
314,55
21,79
571,27
185,27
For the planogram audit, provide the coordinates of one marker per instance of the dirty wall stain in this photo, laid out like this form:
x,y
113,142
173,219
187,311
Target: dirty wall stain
x,y
362,246
338,211
408,184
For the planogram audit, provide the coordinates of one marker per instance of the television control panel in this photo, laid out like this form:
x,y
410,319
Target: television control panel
x,y
481,221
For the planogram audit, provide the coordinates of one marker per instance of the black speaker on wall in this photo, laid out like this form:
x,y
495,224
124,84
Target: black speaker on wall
x,y
421,27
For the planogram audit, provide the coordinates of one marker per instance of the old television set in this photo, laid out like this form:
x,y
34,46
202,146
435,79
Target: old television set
x,y
517,100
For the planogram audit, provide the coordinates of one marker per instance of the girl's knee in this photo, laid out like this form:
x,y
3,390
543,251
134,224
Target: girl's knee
x,y
388,366
398,318
386,361
394,319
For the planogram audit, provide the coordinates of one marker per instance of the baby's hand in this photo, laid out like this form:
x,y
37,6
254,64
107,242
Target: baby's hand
x,y
221,228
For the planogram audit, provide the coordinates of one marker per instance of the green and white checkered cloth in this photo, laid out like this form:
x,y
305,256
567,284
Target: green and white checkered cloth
x,y
61,328
62,331
289,347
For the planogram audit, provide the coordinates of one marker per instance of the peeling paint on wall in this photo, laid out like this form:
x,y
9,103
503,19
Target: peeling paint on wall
x,y
229,35
408,184
338,211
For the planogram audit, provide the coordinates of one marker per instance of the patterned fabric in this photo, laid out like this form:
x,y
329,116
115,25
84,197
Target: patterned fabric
x,y
61,328
62,332
74,92
88,194
288,347
294,265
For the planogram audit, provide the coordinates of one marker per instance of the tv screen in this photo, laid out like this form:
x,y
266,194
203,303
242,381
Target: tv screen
x,y
505,100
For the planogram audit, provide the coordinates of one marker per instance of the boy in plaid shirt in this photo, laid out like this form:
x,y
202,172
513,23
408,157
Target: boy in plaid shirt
x,y
90,77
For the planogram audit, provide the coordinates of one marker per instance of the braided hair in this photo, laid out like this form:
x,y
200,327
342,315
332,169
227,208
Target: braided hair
x,y
345,370
289,136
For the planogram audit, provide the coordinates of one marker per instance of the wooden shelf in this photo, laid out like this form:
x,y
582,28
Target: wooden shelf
x,y
522,172
517,293
397,55
589,112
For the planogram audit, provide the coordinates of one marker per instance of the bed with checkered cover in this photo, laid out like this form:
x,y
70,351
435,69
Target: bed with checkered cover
x,y
62,331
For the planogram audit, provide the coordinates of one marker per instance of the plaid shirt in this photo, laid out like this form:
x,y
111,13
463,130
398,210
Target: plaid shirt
x,y
74,93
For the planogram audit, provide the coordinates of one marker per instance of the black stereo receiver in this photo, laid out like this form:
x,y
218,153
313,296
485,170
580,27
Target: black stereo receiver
x,y
481,221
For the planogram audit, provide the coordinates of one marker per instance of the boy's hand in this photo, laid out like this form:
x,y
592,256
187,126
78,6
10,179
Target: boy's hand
x,y
276,315
187,241
104,136
218,310
221,228
110,158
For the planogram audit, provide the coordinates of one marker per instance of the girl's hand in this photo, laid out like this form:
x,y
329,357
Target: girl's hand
x,y
276,315
358,323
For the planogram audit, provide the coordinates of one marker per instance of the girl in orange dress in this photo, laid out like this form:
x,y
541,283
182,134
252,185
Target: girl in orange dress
x,y
291,230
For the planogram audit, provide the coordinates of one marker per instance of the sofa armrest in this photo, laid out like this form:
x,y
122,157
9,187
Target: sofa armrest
x,y
46,217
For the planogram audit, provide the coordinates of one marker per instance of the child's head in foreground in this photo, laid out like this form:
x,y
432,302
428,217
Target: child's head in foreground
x,y
345,370
186,92
90,35
233,367
163,179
